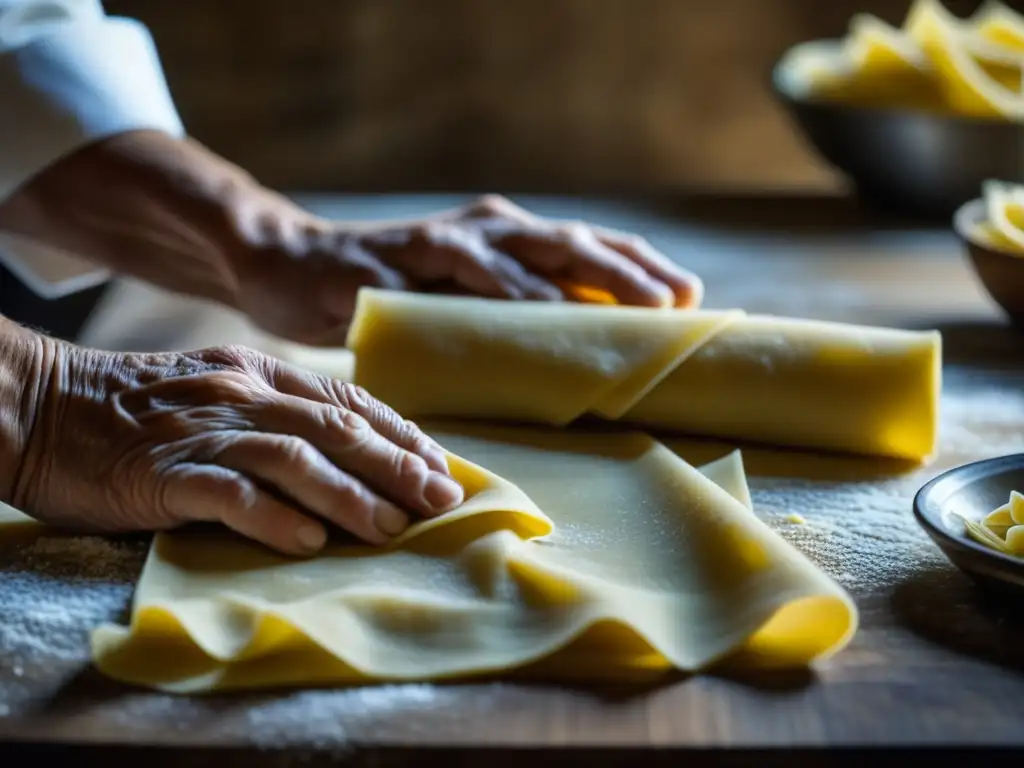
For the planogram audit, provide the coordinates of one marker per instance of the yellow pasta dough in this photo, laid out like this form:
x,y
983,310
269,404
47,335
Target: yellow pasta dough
x,y
575,554
723,374
1001,529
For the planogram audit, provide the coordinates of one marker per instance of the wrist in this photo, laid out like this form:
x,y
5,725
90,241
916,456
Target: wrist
x,y
28,362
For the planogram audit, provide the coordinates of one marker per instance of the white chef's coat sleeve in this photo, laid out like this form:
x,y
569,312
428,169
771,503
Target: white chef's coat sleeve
x,y
69,75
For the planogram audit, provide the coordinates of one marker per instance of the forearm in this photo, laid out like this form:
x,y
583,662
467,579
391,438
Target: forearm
x,y
171,212
142,204
27,361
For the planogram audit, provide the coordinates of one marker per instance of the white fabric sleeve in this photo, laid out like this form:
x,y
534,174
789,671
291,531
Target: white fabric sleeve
x,y
69,75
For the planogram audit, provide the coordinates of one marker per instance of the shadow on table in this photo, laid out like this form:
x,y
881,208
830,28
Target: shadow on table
x,y
945,607
767,461
88,690
987,344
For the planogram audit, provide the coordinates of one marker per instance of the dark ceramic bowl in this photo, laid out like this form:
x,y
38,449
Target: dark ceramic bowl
x,y
1001,273
911,161
973,490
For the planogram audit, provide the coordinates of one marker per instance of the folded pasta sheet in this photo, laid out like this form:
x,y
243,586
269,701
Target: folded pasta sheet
x,y
573,556
723,374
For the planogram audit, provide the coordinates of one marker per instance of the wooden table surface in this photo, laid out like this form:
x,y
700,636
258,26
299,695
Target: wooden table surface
x,y
935,661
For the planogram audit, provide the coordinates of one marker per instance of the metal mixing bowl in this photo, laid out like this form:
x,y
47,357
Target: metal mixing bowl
x,y
912,161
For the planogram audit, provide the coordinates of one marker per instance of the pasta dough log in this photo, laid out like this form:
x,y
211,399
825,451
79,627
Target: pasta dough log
x,y
646,566
799,383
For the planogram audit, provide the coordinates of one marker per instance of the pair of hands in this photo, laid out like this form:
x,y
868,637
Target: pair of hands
x,y
124,441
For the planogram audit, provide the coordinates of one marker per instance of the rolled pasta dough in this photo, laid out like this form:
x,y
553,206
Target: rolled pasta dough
x,y
764,379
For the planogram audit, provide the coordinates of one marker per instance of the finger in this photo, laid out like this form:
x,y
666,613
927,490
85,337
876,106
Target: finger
x,y
687,287
300,472
495,207
354,446
210,493
575,253
349,266
439,251
387,422
519,281
296,382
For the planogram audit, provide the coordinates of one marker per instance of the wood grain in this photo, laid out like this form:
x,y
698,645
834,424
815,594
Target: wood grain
x,y
936,663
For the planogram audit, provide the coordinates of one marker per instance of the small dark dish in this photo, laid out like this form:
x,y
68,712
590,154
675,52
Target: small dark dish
x,y
1001,273
973,490
912,161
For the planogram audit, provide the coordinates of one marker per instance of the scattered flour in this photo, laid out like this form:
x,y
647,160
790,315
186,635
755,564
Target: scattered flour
x,y
53,591
987,420
315,719
864,536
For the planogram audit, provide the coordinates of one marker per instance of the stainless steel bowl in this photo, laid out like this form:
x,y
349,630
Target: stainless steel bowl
x,y
973,490
911,161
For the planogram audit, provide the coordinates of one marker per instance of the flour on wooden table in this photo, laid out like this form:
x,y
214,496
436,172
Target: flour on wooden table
x,y
864,536
984,420
53,591
313,719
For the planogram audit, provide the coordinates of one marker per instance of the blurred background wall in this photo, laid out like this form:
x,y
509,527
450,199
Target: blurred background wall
x,y
506,95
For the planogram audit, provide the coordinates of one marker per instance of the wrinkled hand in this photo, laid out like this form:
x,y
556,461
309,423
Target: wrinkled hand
x,y
490,248
147,442
171,212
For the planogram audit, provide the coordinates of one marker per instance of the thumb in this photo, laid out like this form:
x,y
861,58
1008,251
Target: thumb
x,y
352,266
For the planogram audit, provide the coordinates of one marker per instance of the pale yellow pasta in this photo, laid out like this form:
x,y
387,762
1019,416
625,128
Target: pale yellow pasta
x,y
724,374
575,556
1016,505
1001,529
1015,540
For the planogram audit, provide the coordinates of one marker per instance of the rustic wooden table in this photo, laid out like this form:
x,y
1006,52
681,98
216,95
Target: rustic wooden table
x,y
936,663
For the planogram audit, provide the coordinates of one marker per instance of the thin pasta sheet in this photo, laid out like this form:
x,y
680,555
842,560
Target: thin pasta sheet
x,y
574,556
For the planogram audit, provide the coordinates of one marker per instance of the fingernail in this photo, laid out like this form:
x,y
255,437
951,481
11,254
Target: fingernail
x,y
696,293
390,519
442,493
436,460
666,295
311,537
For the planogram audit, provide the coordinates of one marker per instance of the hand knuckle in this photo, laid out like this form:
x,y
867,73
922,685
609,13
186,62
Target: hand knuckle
x,y
636,242
232,355
297,452
230,388
490,204
350,395
353,502
410,468
576,235
411,431
237,493
351,428
631,270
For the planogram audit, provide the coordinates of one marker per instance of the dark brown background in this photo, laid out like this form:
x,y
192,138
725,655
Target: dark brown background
x,y
516,95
